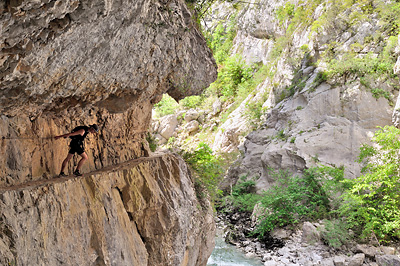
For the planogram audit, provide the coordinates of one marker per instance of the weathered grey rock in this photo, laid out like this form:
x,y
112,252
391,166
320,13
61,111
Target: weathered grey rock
x,y
369,251
143,214
181,115
397,51
308,70
310,235
167,126
250,255
202,117
280,233
267,257
344,115
357,260
339,261
271,263
284,252
388,250
228,138
192,114
155,125
396,69
216,107
284,261
103,53
160,139
249,249
192,126
388,260
327,262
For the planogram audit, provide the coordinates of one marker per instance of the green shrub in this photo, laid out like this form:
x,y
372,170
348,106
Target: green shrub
x,y
369,66
166,106
332,182
242,196
233,72
255,110
243,187
245,202
191,102
291,200
285,12
281,135
152,142
389,13
335,233
372,203
280,44
206,168
319,79
249,85
220,41
378,92
298,16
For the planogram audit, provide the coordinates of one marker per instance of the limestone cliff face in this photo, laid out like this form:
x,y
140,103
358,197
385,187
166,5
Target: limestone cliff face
x,y
67,63
58,54
74,62
319,121
143,212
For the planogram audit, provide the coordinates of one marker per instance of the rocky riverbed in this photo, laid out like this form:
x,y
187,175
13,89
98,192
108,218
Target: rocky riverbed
x,y
300,246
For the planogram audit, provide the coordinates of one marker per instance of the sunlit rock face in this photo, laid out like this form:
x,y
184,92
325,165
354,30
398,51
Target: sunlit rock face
x,y
70,63
141,213
58,54
67,63
318,122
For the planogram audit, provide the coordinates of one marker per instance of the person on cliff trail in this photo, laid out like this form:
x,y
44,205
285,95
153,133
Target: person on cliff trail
x,y
77,136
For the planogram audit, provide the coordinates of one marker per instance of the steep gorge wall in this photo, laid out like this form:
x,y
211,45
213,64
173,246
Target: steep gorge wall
x,y
67,63
143,212
321,121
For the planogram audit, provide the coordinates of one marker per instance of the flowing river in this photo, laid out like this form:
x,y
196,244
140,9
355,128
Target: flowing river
x,y
228,255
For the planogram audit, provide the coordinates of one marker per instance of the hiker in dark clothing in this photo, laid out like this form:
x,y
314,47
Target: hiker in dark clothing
x,y
77,136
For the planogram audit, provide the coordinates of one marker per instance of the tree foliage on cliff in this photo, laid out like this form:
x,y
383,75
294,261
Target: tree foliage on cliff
x,y
372,205
206,168
294,199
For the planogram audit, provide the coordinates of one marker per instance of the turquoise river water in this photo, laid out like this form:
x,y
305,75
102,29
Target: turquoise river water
x,y
228,255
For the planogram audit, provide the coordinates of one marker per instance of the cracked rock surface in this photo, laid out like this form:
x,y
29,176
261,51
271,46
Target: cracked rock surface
x,y
105,62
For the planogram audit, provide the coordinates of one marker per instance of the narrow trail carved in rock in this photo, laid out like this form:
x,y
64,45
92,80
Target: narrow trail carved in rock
x,y
56,179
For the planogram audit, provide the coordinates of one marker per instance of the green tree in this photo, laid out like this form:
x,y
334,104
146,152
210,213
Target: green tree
x,y
372,204
206,167
291,200
166,106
